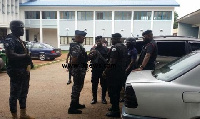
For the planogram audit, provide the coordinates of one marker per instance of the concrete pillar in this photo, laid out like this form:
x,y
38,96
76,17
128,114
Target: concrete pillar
x,y
94,27
58,28
113,22
152,15
41,32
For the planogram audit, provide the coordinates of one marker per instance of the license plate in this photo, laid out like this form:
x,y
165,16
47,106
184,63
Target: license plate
x,y
57,51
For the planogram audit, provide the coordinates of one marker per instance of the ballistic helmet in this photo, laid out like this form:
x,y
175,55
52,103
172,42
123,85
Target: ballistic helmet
x,y
15,24
131,40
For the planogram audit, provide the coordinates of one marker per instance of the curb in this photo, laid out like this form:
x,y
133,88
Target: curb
x,y
49,63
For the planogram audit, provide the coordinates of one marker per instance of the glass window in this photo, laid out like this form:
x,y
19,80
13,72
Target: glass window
x,y
67,15
162,15
85,15
103,15
177,68
32,15
37,45
64,40
49,15
142,15
123,15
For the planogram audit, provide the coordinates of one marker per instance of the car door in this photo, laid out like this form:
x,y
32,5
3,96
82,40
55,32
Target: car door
x,y
36,50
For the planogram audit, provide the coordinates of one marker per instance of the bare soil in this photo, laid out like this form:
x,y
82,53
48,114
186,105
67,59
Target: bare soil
x,y
49,96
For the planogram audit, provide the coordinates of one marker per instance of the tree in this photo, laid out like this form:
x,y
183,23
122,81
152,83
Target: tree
x,y
175,19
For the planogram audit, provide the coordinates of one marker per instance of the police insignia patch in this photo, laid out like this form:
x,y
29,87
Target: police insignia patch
x,y
113,49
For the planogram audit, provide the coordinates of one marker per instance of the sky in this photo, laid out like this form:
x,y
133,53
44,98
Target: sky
x,y
187,6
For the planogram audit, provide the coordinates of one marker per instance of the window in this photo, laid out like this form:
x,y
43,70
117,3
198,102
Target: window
x,y
104,15
85,15
37,45
64,40
142,15
162,15
88,41
177,67
49,15
123,15
67,15
32,15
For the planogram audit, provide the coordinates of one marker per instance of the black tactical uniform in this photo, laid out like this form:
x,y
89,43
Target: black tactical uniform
x,y
151,48
98,65
78,73
17,68
116,75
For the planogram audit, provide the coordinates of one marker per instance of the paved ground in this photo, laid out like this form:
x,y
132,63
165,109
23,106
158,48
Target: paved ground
x,y
49,96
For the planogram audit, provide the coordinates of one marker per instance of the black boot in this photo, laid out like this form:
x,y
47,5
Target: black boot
x,y
110,109
104,101
94,101
79,106
74,111
113,114
68,82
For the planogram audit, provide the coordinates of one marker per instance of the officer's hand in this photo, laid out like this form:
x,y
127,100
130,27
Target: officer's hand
x,y
138,69
104,74
32,66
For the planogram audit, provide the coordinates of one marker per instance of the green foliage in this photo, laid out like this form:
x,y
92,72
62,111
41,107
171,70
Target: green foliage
x,y
175,20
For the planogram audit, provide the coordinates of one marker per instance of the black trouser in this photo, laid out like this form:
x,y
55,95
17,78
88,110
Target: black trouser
x,y
78,79
19,85
70,73
114,94
96,75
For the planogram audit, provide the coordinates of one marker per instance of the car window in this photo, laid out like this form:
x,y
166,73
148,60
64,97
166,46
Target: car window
x,y
177,67
47,46
37,45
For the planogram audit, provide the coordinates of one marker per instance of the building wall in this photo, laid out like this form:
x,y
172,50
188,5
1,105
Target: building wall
x,y
32,33
50,37
67,28
187,30
86,25
123,27
103,28
162,27
139,26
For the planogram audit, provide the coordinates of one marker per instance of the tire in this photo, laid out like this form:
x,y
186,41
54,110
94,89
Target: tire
x,y
42,57
52,58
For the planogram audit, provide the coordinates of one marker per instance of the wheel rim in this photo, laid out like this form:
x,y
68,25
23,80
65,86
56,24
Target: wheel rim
x,y
42,56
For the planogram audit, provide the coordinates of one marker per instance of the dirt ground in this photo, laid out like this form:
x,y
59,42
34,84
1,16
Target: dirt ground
x,y
49,95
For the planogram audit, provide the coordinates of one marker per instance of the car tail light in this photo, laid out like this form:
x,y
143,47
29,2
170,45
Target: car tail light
x,y
130,99
53,51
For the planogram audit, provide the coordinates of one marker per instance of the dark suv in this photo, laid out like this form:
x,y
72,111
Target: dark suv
x,y
171,47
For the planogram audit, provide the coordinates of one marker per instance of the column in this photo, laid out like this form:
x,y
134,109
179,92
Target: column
x,y
132,24
41,33
76,22
94,27
152,15
58,28
113,22
172,25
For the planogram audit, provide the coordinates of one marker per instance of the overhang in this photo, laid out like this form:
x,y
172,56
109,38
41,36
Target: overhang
x,y
192,18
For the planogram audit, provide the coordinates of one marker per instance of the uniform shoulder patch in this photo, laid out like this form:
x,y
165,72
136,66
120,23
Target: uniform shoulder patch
x,y
114,49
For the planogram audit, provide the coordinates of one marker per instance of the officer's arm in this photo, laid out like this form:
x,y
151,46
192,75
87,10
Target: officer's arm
x,y
146,60
131,64
74,60
67,58
14,56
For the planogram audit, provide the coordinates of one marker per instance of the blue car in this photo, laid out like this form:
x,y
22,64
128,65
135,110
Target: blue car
x,y
43,51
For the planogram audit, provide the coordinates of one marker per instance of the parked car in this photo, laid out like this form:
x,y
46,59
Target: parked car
x,y
170,92
43,51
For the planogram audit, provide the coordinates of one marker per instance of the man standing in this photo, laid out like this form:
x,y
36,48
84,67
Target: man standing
x,y
115,73
149,52
18,70
78,63
98,57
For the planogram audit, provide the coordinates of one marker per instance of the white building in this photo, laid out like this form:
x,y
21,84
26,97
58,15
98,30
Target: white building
x,y
189,25
9,10
54,22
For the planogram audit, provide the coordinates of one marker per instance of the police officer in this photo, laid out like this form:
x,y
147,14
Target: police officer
x,y
115,73
18,68
132,54
79,63
69,62
149,52
98,57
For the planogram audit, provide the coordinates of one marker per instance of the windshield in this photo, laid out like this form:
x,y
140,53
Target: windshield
x,y
177,67
48,46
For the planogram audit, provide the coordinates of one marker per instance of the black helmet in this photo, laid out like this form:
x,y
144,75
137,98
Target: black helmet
x,y
131,40
15,24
